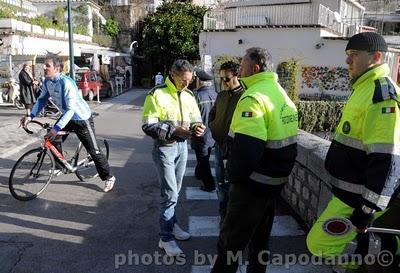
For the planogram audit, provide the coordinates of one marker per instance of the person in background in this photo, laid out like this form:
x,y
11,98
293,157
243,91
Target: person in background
x,y
264,148
219,122
158,79
27,87
170,117
205,97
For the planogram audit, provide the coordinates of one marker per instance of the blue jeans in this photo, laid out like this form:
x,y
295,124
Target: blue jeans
x,y
222,183
170,163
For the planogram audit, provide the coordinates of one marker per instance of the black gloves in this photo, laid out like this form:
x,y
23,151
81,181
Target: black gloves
x,y
361,219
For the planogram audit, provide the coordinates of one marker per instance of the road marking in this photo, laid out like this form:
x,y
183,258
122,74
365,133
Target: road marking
x,y
192,156
190,171
202,226
194,193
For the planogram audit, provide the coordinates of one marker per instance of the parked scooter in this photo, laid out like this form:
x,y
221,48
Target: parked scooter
x,y
12,96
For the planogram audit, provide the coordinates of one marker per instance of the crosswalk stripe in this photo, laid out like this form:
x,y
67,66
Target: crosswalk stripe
x,y
190,171
195,193
202,226
192,156
288,268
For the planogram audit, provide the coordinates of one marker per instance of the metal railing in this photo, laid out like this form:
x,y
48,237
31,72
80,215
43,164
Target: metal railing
x,y
296,14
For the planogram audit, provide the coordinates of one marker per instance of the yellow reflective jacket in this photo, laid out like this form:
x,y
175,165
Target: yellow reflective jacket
x,y
166,108
365,153
264,129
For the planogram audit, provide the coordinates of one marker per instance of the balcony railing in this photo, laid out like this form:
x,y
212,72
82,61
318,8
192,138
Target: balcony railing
x,y
275,15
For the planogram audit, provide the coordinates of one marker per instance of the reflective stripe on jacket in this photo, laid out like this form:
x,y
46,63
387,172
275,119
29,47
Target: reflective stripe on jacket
x,y
365,153
264,129
166,108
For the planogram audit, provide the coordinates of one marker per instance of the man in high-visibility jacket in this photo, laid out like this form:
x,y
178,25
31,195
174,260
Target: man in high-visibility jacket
x,y
170,117
364,157
263,131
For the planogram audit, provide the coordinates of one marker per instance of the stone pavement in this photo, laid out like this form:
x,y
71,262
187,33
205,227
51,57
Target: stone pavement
x,y
14,139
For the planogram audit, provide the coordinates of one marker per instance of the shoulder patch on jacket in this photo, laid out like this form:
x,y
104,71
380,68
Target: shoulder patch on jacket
x,y
384,90
153,90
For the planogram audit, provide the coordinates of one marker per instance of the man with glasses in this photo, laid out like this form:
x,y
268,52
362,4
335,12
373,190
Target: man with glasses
x,y
364,159
263,134
220,120
170,117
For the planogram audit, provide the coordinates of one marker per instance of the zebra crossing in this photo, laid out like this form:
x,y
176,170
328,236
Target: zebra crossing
x,y
207,226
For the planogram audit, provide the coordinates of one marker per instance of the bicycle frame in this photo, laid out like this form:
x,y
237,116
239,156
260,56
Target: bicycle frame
x,y
48,145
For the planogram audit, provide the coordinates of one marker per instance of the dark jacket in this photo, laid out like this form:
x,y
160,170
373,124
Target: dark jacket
x,y
222,112
26,87
205,97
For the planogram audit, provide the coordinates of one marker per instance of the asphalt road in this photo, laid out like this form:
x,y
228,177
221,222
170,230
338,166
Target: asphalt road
x,y
75,227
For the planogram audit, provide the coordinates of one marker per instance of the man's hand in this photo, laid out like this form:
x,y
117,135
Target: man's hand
x,y
24,121
361,220
51,135
182,132
199,130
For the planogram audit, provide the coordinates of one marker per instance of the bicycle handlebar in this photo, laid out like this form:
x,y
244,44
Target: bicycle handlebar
x,y
43,125
47,125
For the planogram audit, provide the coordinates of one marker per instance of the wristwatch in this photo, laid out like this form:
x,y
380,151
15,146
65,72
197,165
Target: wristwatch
x,y
367,210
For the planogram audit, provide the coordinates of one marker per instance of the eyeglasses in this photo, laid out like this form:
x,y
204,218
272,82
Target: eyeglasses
x,y
226,79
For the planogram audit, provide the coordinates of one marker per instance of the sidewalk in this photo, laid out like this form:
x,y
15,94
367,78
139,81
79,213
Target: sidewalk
x,y
14,139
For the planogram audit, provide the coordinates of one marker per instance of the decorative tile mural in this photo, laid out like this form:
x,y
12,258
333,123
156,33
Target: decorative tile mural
x,y
325,79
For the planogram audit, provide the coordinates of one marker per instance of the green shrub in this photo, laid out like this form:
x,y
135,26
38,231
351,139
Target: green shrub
x,y
7,11
103,40
81,30
112,27
42,21
287,72
319,116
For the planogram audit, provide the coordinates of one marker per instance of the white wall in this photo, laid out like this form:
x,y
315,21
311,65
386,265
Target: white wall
x,y
283,44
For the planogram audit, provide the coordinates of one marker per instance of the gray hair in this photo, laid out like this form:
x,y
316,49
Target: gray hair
x,y
56,60
262,57
180,66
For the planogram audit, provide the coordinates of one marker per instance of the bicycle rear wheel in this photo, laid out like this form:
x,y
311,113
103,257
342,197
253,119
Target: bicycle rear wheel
x,y
86,169
31,174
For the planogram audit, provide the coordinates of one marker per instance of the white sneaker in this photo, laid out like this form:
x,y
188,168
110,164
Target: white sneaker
x,y
180,234
109,184
56,172
171,248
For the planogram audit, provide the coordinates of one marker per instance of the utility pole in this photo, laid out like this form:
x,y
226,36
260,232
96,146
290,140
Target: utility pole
x,y
71,42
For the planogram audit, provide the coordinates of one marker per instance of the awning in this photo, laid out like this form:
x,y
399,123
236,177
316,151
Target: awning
x,y
103,51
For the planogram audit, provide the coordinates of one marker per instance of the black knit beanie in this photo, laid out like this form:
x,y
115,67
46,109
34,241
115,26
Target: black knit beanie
x,y
367,41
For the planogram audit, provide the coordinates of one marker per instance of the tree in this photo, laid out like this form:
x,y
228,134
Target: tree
x,y
112,27
172,32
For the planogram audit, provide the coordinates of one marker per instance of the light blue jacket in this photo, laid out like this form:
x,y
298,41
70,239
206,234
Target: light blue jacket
x,y
67,97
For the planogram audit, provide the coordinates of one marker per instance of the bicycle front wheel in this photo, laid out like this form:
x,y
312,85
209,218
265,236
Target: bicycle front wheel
x,y
31,174
86,169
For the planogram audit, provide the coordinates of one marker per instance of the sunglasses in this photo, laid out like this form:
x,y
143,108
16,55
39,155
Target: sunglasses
x,y
225,79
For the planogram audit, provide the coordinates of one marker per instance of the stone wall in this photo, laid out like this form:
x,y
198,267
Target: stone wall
x,y
308,190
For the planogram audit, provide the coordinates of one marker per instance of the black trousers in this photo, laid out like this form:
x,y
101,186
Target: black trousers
x,y
248,222
203,168
84,129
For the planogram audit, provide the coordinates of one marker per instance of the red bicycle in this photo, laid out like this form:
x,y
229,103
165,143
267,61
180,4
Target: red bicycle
x,y
35,169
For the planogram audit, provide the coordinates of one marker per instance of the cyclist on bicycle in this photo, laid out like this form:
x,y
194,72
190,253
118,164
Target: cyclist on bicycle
x,y
76,115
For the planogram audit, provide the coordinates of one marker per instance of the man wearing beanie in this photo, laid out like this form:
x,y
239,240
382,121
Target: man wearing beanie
x,y
364,160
